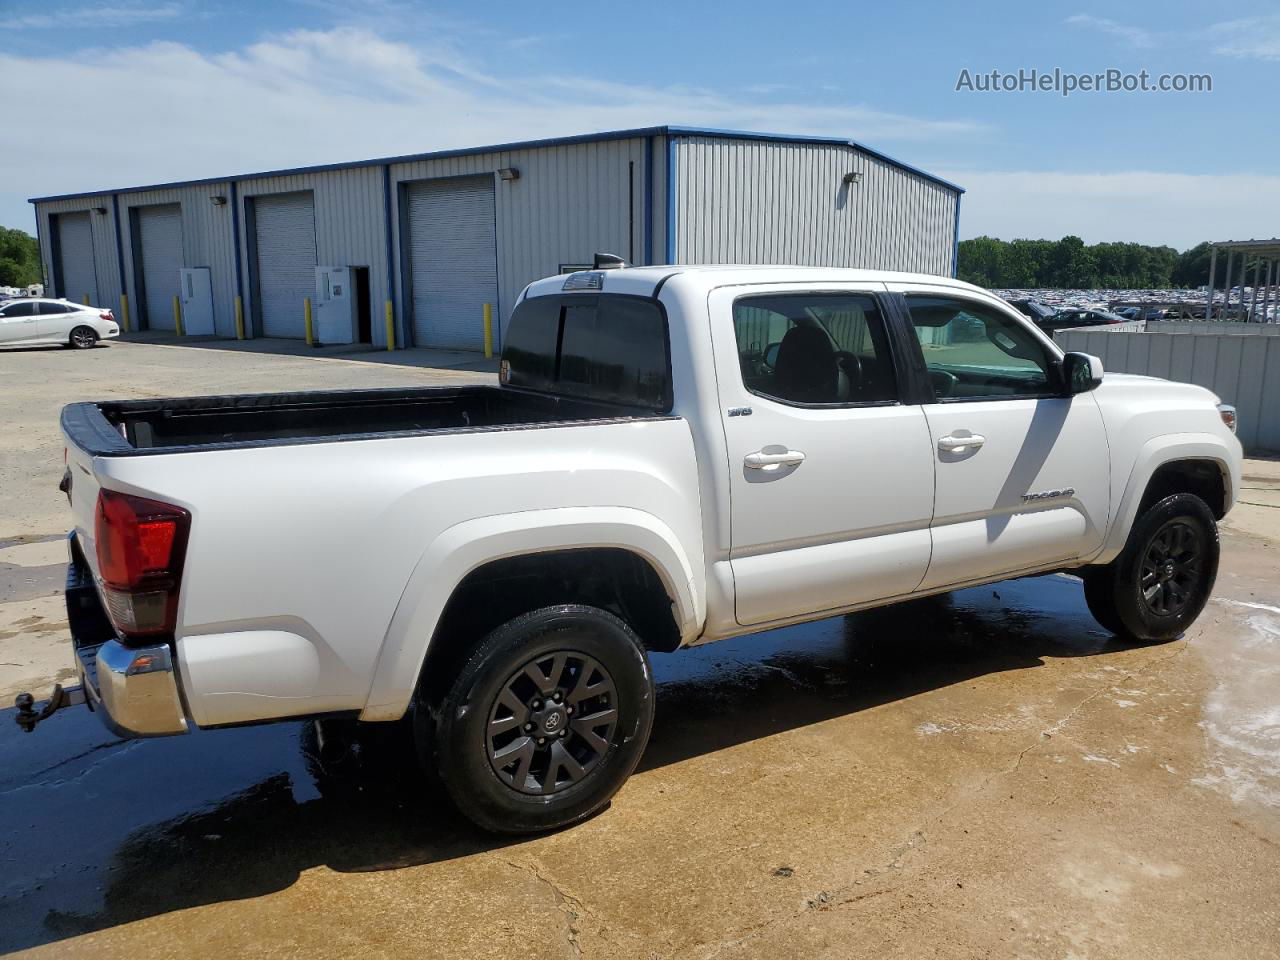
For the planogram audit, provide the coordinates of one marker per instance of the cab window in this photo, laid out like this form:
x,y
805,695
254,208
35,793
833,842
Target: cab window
x,y
975,352
608,347
814,349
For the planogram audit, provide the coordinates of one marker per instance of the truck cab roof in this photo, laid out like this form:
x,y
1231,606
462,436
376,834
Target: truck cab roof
x,y
647,281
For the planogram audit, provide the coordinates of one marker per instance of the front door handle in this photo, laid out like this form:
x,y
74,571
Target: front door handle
x,y
953,444
773,461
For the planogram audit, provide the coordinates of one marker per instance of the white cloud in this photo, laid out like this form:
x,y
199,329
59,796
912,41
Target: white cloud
x,y
1250,38
122,15
1134,36
164,111
1157,208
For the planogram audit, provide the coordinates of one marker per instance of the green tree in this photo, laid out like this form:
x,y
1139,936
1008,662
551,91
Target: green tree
x,y
1192,267
19,258
1069,263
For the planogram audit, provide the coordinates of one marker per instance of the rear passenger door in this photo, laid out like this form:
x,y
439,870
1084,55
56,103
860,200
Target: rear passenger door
x,y
831,474
1022,468
56,320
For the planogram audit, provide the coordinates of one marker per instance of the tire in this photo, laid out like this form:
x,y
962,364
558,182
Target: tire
x,y
1162,579
82,338
497,711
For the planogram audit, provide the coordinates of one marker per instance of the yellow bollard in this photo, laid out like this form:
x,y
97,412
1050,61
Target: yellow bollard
x,y
177,317
488,330
391,326
124,312
306,320
86,299
239,319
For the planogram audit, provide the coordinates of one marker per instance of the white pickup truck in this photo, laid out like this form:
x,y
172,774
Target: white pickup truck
x,y
673,455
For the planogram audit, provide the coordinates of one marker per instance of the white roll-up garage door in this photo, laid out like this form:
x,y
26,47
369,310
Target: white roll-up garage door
x,y
78,272
160,243
454,261
286,240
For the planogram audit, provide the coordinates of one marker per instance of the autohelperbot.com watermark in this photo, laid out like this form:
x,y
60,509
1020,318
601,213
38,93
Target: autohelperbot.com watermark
x,y
1065,82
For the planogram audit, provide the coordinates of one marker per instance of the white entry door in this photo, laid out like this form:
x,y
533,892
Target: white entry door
x,y
197,301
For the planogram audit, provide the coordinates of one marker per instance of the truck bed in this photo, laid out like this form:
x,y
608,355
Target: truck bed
x,y
122,428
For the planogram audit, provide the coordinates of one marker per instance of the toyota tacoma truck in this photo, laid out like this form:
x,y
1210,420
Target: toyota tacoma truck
x,y
672,455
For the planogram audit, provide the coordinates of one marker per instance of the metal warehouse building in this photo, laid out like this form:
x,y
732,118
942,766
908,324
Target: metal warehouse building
x,y
427,240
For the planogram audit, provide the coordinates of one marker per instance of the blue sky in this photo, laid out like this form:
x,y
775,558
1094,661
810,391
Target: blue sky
x,y
126,92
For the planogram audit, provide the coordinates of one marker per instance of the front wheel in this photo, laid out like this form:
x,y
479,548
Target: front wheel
x,y
82,338
1162,579
545,721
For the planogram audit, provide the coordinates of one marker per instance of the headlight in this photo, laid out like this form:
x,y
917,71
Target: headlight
x,y
1228,414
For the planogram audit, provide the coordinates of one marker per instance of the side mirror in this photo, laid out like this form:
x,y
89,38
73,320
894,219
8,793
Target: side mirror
x,y
1081,372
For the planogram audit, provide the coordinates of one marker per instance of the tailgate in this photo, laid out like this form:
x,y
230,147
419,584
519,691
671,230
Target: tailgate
x,y
81,485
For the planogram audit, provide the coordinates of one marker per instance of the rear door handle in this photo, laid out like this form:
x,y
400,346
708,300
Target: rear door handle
x,y
772,461
953,444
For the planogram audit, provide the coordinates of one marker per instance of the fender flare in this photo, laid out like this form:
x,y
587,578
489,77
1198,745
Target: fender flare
x,y
1154,454
465,547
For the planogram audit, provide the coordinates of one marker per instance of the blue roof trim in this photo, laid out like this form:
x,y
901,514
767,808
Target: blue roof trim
x,y
515,145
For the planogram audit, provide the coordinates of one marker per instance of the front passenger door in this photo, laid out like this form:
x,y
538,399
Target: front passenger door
x,y
1022,469
18,322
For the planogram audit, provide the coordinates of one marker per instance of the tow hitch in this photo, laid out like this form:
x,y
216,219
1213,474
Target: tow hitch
x,y
27,717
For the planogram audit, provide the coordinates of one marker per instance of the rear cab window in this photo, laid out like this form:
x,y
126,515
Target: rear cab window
x,y
608,347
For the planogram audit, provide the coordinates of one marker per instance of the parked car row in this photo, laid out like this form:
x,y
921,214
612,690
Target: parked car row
x,y
28,321
1049,319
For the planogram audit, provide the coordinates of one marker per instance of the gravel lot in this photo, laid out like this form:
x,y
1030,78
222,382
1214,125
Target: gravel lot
x,y
985,774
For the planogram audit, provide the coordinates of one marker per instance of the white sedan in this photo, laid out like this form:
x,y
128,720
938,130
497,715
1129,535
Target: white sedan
x,y
36,320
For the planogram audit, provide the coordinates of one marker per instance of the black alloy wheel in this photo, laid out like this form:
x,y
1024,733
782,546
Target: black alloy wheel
x,y
1171,568
1163,577
552,722
544,720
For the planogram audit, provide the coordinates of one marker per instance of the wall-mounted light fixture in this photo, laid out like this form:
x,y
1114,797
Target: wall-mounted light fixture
x,y
218,200
101,211
852,177
508,174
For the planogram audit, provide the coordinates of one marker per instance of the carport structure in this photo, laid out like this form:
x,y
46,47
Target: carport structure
x,y
1264,257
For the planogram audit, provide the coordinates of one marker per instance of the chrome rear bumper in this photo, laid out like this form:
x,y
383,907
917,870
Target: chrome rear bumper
x,y
135,689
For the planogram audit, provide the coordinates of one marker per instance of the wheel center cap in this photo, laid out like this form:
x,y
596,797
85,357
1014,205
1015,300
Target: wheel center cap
x,y
1166,572
551,719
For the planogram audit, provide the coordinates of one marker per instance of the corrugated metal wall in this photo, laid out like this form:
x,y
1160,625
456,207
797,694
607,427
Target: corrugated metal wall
x,y
570,202
206,242
106,264
735,201
757,201
1241,368
349,226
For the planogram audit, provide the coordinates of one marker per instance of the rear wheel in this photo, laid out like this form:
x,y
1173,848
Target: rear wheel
x,y
82,338
545,721
1161,581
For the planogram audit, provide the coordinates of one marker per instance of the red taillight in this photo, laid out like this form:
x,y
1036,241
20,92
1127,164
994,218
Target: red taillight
x,y
106,315
141,544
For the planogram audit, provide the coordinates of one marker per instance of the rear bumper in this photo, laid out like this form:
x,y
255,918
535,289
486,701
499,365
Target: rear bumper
x,y
134,690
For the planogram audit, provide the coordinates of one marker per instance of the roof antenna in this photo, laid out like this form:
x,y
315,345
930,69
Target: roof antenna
x,y
608,261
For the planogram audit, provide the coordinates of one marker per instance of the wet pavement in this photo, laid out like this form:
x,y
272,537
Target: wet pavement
x,y
985,773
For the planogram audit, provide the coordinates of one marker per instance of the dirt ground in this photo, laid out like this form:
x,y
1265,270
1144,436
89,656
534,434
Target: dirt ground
x,y
986,774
